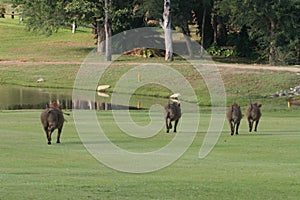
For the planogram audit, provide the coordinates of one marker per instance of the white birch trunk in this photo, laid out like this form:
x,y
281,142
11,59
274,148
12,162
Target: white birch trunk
x,y
168,31
74,27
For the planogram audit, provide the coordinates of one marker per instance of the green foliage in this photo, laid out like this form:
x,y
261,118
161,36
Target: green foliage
x,y
257,40
258,16
2,9
83,11
42,15
7,1
216,50
125,19
47,17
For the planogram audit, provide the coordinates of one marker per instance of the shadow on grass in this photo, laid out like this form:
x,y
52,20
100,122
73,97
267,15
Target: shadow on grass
x,y
269,133
84,50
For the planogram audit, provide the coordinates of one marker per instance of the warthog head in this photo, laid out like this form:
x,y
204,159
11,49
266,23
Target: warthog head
x,y
172,113
234,116
253,114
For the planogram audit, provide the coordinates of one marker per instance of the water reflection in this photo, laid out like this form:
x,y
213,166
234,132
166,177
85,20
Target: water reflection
x,y
14,98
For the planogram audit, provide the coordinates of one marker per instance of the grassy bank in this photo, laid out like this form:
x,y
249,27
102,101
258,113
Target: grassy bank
x,y
264,165
57,59
241,85
19,44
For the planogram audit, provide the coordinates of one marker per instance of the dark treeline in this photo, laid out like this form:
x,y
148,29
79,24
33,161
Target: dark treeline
x,y
261,31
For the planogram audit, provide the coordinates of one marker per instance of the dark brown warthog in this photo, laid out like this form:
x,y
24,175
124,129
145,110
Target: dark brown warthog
x,y
253,114
52,118
172,113
234,116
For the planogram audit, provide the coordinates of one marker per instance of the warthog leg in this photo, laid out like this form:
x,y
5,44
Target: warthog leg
x,y
237,128
170,125
58,135
231,123
250,121
256,124
175,126
47,134
50,131
167,125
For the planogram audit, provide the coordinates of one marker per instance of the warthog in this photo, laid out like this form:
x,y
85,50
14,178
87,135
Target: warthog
x,y
253,114
234,116
52,118
172,113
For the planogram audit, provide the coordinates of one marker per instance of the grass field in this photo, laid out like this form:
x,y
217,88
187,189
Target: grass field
x,y
263,165
19,44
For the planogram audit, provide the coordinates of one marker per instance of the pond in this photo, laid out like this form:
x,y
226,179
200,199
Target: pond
x,y
17,97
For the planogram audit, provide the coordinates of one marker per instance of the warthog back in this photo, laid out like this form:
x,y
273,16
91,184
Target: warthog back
x,y
52,118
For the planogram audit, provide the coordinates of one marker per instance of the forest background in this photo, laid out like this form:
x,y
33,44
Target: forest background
x,y
253,31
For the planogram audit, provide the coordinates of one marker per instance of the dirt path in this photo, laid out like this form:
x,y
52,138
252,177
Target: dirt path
x,y
18,62
295,69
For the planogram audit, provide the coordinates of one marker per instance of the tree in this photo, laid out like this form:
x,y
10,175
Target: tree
x,y
48,16
88,13
43,16
166,25
206,10
181,13
274,25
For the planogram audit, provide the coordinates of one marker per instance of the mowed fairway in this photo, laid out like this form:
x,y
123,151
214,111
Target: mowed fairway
x,y
263,165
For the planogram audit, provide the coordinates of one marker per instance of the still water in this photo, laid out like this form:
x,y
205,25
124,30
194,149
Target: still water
x,y
16,97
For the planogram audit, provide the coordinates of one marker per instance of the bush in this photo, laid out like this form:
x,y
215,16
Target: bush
x,y
216,50
2,10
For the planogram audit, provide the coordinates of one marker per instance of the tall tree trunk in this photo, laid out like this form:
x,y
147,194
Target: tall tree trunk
x,y
202,32
189,45
187,35
272,51
168,30
108,31
100,38
298,53
214,25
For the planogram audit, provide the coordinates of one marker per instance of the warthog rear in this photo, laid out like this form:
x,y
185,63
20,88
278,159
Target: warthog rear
x,y
172,113
52,118
253,114
234,116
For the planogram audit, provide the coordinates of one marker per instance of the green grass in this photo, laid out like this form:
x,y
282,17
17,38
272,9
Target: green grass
x,y
56,76
18,44
263,165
